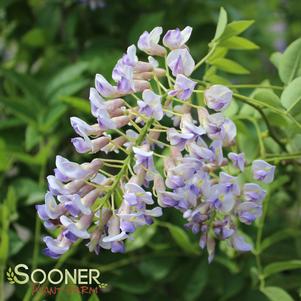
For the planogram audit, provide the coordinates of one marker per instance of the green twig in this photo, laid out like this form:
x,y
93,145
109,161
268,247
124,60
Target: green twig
x,y
205,58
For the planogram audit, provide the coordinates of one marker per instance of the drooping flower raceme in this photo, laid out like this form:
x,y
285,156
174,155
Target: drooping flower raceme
x,y
143,109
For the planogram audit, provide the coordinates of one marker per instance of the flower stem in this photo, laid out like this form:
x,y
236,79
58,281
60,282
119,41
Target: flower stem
x,y
37,234
128,160
205,58
258,242
284,157
255,86
256,102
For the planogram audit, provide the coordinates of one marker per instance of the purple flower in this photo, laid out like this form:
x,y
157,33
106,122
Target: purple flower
x,y
136,195
56,247
104,87
263,171
229,130
50,210
176,38
230,182
187,126
151,105
104,120
183,87
239,243
84,129
221,199
238,160
75,171
201,152
148,42
85,144
74,204
180,62
132,218
216,148
177,139
222,229
210,248
213,124
125,65
144,158
77,229
253,192
115,237
218,97
248,212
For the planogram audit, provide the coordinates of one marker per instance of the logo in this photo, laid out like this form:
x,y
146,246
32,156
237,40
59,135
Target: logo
x,y
85,281
10,276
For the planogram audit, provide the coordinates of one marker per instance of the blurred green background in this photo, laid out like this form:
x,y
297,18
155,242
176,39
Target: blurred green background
x,y
50,52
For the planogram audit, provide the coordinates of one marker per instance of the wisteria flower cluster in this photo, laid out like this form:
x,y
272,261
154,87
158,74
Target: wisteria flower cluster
x,y
149,113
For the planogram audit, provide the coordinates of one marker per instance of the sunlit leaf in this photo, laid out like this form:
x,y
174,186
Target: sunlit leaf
x,y
277,267
279,236
221,24
275,58
229,66
291,96
235,28
276,294
290,62
239,43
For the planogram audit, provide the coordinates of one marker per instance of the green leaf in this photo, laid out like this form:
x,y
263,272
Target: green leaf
x,y
10,123
76,102
197,282
229,66
16,244
25,187
279,236
34,38
11,201
239,43
5,157
275,58
221,24
235,28
219,52
141,237
70,88
277,267
276,294
52,118
290,62
20,108
156,268
267,96
29,85
291,96
64,293
181,238
66,76
4,243
231,265
32,137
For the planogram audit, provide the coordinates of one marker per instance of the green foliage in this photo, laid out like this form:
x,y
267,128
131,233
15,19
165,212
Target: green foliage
x,y
276,294
291,96
290,62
